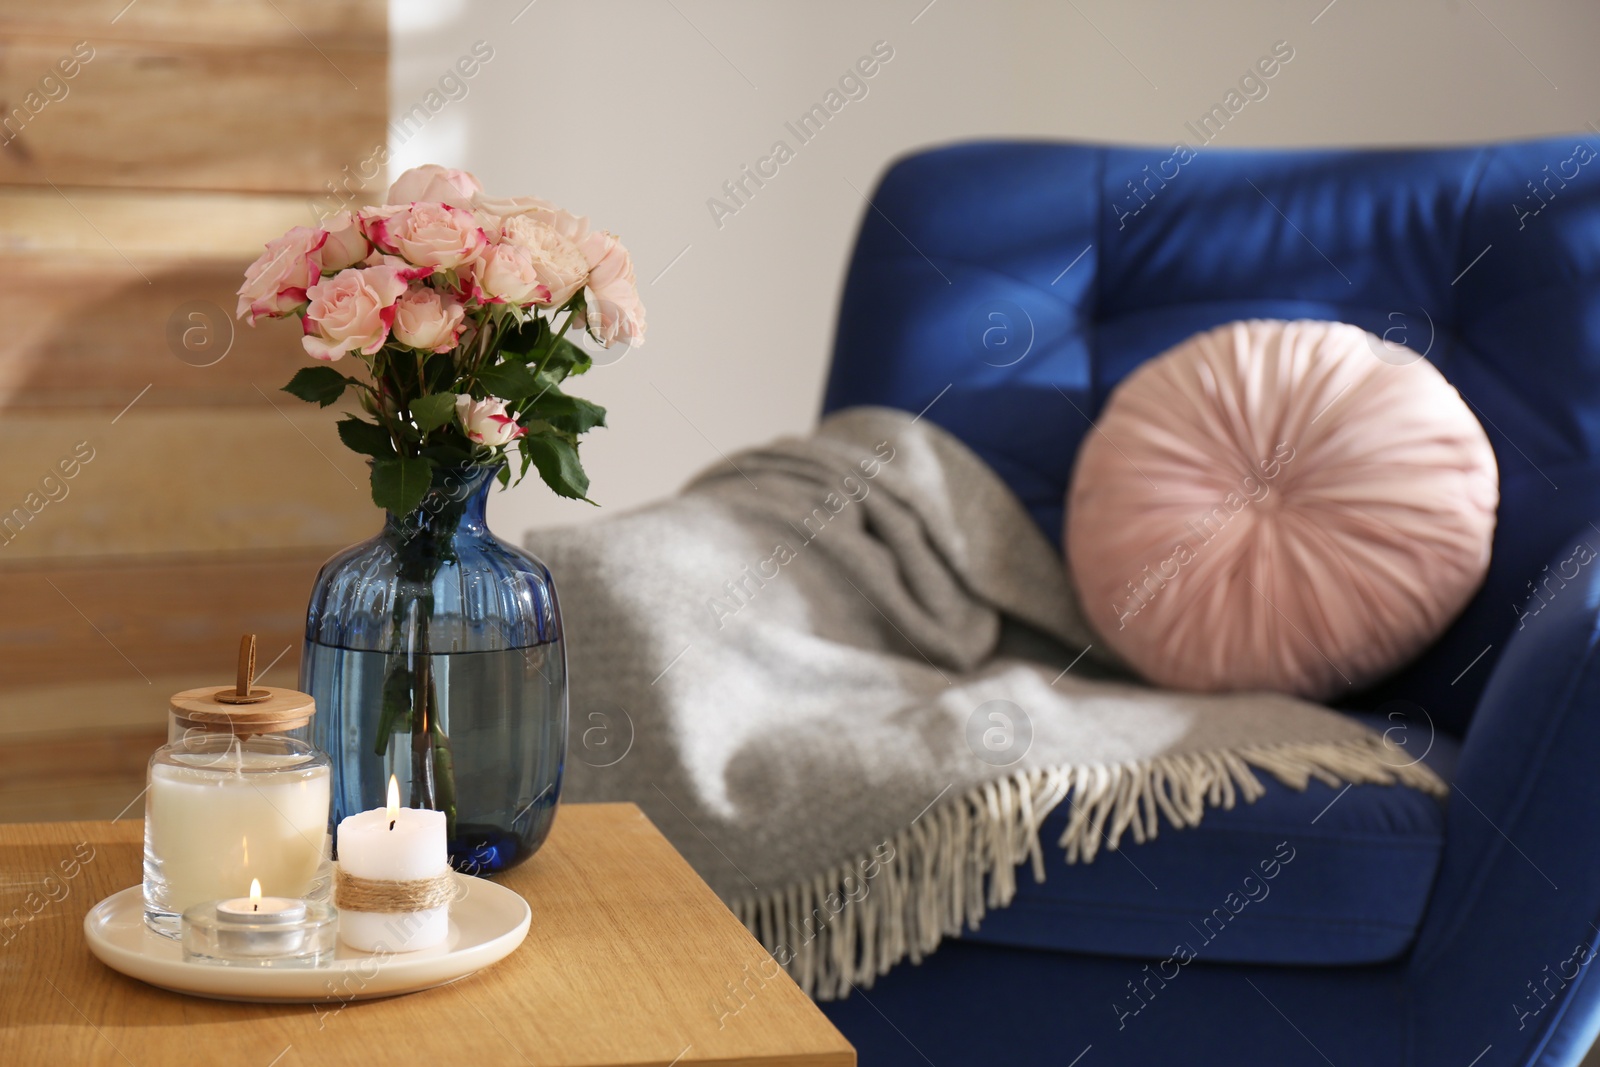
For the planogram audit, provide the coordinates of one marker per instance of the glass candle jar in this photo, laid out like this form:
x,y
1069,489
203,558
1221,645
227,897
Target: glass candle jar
x,y
229,801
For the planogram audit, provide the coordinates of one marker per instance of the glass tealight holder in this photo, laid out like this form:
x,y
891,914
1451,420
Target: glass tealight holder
x,y
307,937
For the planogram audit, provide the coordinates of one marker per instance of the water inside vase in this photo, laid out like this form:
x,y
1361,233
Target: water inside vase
x,y
500,710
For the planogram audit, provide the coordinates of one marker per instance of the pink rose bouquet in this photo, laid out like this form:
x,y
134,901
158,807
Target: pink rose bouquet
x,y
455,308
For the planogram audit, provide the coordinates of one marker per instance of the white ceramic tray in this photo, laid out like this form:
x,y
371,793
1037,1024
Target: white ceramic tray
x,y
487,923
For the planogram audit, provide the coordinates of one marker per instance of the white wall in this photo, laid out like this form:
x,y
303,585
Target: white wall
x,y
636,111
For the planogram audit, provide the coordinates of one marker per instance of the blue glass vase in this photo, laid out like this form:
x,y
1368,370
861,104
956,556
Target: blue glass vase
x,y
435,654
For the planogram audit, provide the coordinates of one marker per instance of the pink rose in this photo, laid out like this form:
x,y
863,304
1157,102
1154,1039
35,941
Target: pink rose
x,y
507,274
408,273
612,308
556,259
486,421
573,227
425,319
429,235
345,245
275,284
351,312
432,183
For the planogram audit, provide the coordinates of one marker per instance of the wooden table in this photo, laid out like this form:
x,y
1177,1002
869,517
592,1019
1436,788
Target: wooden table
x,y
631,960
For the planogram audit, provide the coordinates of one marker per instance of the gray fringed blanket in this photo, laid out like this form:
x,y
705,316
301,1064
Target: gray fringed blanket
x,y
842,674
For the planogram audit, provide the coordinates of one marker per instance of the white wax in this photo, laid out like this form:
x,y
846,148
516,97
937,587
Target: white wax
x,y
378,931
214,827
415,848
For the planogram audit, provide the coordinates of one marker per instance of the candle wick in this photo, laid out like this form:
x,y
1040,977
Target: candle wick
x,y
255,907
391,824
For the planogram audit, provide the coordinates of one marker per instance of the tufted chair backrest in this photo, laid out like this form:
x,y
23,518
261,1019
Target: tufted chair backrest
x,y
1011,286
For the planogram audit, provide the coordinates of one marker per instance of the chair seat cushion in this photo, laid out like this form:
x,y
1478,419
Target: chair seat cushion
x,y
1333,875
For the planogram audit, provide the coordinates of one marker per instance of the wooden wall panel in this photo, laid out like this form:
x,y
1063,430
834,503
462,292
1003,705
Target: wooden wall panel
x,y
94,337
189,116
75,793
128,229
89,654
132,194
184,480
126,621
351,24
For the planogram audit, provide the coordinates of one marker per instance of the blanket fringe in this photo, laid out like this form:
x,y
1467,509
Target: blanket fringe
x,y
959,859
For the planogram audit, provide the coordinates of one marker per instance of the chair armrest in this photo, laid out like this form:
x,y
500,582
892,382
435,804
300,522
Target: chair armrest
x,y
1502,956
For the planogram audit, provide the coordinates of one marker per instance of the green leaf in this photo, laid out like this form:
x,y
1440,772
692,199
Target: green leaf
x,y
361,436
448,455
567,360
571,414
439,372
510,381
394,717
433,411
400,483
317,385
523,341
558,465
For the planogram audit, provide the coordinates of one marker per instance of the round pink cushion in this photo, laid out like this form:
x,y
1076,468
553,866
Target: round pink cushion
x,y
1283,506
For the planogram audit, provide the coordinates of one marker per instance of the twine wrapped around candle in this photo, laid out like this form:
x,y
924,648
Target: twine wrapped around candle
x,y
371,894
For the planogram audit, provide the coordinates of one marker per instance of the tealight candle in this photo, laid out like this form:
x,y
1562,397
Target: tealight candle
x,y
393,845
239,923
259,931
259,909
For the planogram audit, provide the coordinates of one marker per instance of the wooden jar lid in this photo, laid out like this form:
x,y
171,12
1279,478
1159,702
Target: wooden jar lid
x,y
243,707
278,711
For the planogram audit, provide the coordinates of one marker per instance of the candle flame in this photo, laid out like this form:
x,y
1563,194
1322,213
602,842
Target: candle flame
x,y
255,892
394,800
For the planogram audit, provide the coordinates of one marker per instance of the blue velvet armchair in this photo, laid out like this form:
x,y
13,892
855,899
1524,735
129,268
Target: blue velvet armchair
x,y
1004,289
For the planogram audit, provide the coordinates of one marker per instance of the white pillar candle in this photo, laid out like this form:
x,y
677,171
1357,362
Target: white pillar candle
x,y
394,844
215,820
